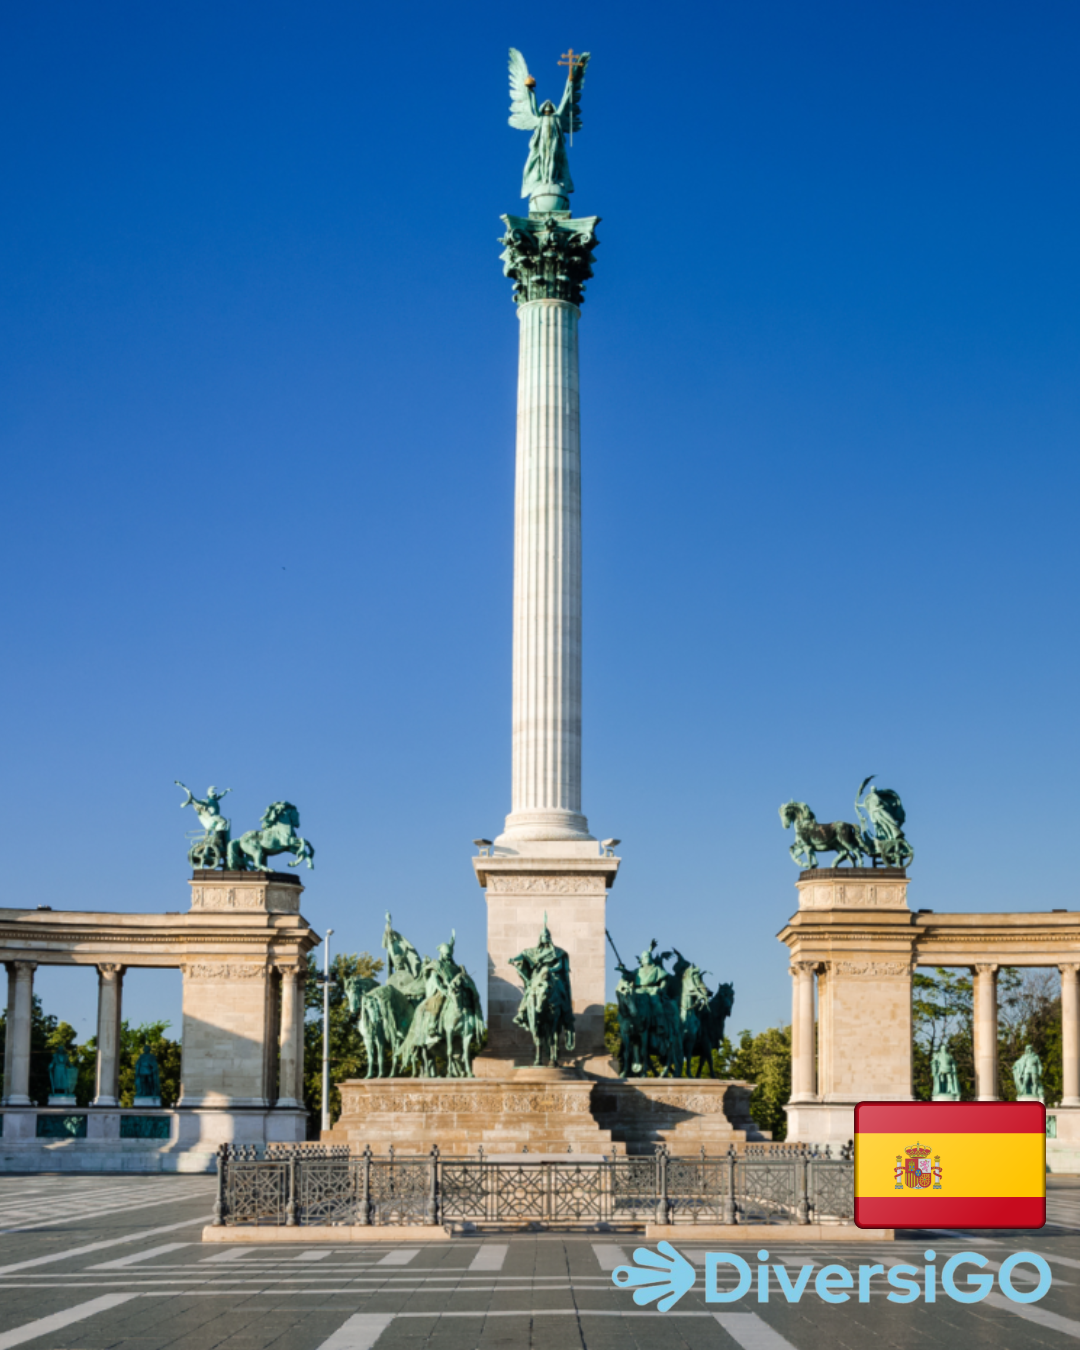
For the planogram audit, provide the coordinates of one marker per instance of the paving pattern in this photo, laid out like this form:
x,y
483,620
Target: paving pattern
x,y
92,1263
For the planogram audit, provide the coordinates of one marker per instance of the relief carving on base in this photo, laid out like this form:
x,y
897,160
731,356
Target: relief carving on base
x,y
871,967
458,1103
512,884
223,970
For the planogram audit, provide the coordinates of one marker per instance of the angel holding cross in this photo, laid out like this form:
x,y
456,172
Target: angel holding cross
x,y
547,178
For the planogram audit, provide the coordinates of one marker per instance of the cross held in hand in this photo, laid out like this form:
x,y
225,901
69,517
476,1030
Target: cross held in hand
x,y
570,59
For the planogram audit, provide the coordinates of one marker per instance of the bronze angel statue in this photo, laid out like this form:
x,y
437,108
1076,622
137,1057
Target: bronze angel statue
x,y
547,178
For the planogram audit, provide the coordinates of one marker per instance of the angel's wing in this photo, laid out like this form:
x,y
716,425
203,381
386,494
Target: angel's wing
x,y
569,111
523,114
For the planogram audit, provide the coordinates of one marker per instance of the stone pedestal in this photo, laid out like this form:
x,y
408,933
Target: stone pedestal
x,y
64,1099
569,883
1063,1150
687,1114
545,1113
854,931
154,1102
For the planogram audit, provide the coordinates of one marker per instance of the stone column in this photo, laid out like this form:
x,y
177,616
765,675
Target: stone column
x,y
802,1032
291,1045
546,775
1070,1035
986,1045
17,1054
110,985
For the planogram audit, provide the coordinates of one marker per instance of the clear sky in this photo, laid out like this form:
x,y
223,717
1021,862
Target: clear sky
x,y
257,414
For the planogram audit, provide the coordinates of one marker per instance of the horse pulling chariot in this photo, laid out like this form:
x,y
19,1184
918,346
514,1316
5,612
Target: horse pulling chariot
x,y
879,835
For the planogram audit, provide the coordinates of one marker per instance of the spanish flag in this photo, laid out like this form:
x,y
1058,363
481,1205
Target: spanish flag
x,y
950,1165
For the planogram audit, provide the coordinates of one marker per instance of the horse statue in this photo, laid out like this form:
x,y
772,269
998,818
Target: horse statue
x,y
450,1018
378,1042
813,837
277,833
544,1012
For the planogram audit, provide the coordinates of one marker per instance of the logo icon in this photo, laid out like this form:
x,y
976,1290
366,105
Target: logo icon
x,y
669,1275
918,1169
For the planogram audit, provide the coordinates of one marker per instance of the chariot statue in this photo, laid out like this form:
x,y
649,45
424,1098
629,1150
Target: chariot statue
x,y
212,849
879,835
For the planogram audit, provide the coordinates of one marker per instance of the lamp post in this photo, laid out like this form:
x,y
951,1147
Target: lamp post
x,y
326,1033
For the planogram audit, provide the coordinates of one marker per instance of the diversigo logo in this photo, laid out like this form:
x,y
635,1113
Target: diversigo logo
x,y
667,1275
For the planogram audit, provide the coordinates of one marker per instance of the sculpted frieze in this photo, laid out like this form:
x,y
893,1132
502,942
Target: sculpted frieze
x,y
511,884
871,967
223,970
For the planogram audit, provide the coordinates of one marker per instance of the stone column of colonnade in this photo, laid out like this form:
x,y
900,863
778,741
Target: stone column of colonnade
x,y
291,1061
1070,1034
546,737
17,1044
110,991
803,1084
986,1033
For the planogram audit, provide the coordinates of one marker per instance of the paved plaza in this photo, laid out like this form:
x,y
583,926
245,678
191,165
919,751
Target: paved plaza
x,y
89,1263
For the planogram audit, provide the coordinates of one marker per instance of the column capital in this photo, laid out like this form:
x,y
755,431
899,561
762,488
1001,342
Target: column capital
x,y
110,970
289,969
24,967
803,967
548,256
1072,967
986,968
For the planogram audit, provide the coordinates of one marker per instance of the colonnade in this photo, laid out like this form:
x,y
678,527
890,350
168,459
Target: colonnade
x,y
808,1042
290,1067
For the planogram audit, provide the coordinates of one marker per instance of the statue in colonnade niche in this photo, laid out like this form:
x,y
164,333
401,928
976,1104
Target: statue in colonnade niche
x,y
63,1074
147,1077
546,1010
945,1077
1027,1075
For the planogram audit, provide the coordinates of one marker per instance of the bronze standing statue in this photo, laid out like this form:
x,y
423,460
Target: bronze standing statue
x,y
546,1010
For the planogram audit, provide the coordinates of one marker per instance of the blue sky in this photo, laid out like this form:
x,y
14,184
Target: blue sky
x,y
257,411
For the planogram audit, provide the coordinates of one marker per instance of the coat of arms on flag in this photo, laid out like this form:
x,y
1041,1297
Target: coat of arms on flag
x,y
917,1168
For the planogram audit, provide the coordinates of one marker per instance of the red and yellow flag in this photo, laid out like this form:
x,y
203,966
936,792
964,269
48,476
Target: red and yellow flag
x,y
950,1164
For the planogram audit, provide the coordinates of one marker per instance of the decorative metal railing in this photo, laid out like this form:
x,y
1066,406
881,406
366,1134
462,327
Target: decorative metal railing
x,y
307,1184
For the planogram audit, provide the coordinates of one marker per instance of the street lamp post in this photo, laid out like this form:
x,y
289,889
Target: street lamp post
x,y
326,1034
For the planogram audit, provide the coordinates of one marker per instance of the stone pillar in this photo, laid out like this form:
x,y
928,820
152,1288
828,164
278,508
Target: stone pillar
x,y
546,776
1070,1035
290,1064
17,1054
803,1078
110,987
986,1041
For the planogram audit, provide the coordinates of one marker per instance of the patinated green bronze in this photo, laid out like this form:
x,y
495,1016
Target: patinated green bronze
x,y
546,182
669,1016
212,849
147,1074
424,1005
546,1010
278,832
881,838
883,828
547,255
1027,1076
945,1077
63,1074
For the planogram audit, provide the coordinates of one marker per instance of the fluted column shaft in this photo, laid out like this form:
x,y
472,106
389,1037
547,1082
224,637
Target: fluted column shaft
x,y
986,1039
802,1032
291,1045
110,984
546,798
1070,1035
17,1059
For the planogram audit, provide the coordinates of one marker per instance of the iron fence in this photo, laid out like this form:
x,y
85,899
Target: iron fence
x,y
326,1185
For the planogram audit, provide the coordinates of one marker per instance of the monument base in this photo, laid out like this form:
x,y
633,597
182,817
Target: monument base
x,y
530,1110
61,1099
1063,1147
821,1123
686,1114
147,1101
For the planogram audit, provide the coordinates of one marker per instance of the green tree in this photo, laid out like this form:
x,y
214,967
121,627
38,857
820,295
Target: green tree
x,y
347,1057
764,1059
